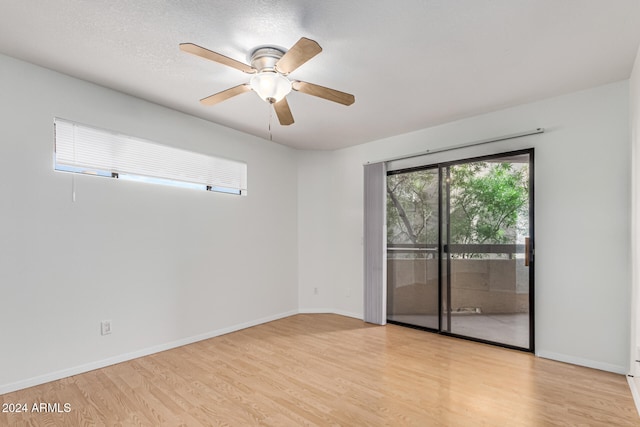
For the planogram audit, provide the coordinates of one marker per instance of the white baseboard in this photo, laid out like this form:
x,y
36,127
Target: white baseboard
x,y
329,311
634,385
582,362
316,311
349,314
64,373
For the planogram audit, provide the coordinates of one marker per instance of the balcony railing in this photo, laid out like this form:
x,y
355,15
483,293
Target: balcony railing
x,y
458,248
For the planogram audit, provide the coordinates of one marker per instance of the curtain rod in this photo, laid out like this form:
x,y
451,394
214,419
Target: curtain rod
x,y
464,145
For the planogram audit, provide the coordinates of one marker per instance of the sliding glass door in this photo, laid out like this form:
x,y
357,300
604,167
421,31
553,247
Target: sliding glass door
x,y
413,247
459,239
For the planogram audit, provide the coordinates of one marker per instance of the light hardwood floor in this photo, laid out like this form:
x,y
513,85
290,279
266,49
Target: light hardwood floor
x,y
329,370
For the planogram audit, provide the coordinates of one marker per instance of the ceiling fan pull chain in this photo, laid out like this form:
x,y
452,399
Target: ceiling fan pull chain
x,y
270,118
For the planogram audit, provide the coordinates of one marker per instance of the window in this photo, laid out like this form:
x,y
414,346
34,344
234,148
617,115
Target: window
x,y
88,150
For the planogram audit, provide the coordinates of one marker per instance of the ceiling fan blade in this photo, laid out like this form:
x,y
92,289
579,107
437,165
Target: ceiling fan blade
x,y
200,51
324,92
225,94
283,112
301,52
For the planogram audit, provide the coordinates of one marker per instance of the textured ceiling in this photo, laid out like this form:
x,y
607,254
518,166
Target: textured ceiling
x,y
410,63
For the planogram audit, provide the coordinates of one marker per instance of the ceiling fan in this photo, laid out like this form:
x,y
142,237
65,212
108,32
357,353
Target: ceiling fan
x,y
270,67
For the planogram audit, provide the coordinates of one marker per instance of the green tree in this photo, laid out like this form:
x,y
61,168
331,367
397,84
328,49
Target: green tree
x,y
487,200
412,206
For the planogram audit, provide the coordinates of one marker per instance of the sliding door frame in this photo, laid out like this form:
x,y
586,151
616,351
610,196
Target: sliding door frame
x,y
439,251
442,241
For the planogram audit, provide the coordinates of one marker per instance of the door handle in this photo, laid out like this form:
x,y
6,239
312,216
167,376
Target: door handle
x,y
527,250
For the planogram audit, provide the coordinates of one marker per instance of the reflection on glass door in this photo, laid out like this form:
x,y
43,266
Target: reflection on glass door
x,y
459,249
412,248
485,265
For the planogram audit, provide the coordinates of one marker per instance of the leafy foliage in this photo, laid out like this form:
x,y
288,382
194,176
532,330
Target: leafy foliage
x,y
487,200
412,207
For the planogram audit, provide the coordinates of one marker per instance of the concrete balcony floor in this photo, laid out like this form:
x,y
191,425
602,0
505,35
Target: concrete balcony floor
x,y
511,329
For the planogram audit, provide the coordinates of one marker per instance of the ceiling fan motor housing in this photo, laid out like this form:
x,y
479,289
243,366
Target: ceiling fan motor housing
x,y
265,58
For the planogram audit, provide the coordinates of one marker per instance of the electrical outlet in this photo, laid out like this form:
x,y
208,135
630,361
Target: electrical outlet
x,y
105,327
348,292
315,291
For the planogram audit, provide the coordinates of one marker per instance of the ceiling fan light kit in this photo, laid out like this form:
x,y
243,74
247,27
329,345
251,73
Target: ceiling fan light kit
x,y
268,83
271,66
270,86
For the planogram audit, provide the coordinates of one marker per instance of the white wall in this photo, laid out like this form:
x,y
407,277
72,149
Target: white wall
x,y
315,197
582,214
634,90
166,265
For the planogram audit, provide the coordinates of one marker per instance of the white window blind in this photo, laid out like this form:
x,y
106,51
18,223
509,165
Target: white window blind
x,y
81,146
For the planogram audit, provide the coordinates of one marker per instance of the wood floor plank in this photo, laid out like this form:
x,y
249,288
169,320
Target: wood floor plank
x,y
329,370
